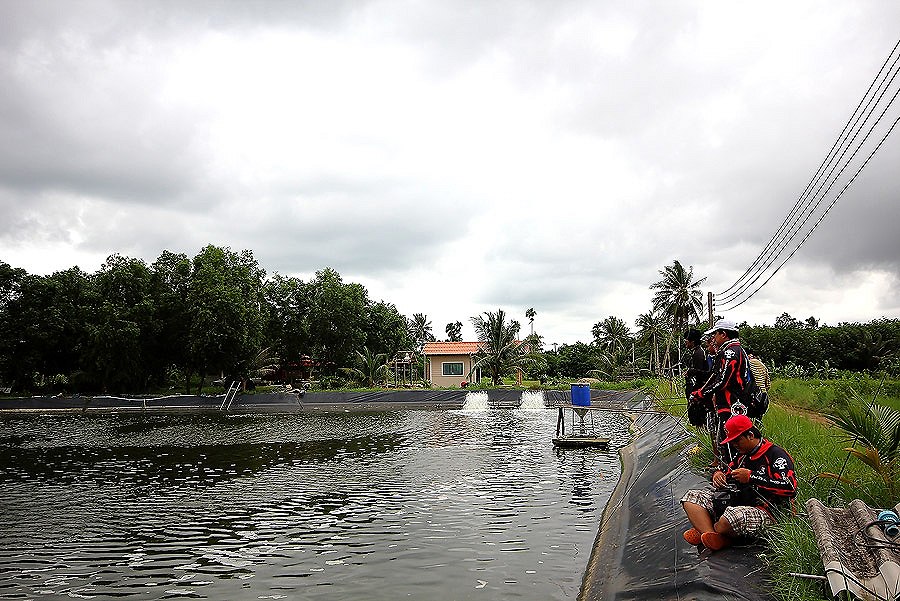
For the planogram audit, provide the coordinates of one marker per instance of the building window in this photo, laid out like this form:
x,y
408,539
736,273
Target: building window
x,y
451,369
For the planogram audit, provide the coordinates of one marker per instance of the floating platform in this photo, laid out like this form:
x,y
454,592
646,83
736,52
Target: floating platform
x,y
583,432
574,442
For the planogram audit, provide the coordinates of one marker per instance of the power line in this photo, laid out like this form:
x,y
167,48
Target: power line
x,y
820,184
828,158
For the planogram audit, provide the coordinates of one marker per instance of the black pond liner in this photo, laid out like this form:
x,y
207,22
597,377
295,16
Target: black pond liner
x,y
285,402
639,552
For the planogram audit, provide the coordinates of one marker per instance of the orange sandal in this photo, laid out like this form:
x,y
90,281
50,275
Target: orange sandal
x,y
692,536
714,541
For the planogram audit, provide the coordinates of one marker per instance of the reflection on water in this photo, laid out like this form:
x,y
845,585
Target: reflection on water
x,y
426,504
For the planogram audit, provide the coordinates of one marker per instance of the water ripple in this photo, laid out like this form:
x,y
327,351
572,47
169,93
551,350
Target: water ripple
x,y
334,505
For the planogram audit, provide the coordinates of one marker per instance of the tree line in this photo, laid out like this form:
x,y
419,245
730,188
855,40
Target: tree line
x,y
134,327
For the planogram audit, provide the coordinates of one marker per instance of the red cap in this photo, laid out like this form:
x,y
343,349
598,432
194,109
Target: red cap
x,y
735,426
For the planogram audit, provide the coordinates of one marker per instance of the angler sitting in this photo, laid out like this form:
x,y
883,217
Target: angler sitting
x,y
758,484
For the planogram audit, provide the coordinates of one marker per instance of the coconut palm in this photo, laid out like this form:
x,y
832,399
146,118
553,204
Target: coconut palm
x,y
500,351
530,313
420,330
612,334
651,329
454,331
678,297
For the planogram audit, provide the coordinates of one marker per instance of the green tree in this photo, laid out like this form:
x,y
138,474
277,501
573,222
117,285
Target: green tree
x,y
651,330
10,283
337,319
170,280
48,319
121,325
612,334
420,330
225,302
370,367
454,331
576,360
530,314
500,351
678,297
386,330
289,303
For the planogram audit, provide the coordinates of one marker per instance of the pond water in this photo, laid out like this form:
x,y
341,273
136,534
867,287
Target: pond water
x,y
342,505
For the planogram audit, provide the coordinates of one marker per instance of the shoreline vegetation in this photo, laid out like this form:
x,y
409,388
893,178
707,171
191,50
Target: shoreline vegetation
x,y
801,419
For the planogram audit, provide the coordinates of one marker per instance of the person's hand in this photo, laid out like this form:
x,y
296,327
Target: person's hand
x,y
719,480
697,395
741,474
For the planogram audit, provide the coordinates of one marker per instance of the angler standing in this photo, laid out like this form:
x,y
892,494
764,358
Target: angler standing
x,y
729,377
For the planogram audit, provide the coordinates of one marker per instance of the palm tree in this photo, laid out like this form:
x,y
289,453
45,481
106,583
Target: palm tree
x,y
371,366
500,351
651,328
678,297
530,313
454,331
420,330
611,334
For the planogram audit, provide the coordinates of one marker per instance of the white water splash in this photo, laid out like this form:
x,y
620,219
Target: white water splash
x,y
532,400
476,401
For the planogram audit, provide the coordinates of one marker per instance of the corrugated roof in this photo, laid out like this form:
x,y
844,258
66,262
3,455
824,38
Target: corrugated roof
x,y
857,555
451,348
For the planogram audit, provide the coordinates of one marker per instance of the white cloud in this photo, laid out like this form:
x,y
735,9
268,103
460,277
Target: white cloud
x,y
453,157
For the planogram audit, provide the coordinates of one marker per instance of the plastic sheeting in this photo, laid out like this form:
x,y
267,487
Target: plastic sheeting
x,y
639,552
290,402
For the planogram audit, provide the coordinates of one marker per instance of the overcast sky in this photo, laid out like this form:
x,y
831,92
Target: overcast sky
x,y
454,157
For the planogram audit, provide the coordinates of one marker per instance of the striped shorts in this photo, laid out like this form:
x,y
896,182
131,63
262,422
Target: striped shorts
x,y
744,520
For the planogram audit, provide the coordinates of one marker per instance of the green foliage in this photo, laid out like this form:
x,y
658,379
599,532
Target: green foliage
x,y
796,348
454,331
500,353
371,367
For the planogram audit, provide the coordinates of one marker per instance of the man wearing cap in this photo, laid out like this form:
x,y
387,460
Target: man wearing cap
x,y
764,474
726,385
697,369
696,374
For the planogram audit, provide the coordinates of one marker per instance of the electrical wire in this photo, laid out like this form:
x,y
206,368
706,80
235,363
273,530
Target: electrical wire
x,y
857,127
807,205
734,305
825,162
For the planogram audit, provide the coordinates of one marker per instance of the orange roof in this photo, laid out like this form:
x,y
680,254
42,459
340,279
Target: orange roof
x,y
450,348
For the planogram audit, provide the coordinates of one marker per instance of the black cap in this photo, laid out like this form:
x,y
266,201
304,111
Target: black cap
x,y
692,335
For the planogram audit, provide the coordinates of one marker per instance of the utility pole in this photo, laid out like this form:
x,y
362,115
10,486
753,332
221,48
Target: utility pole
x,y
709,303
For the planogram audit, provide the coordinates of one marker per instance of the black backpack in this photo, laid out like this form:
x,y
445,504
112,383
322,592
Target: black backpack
x,y
753,397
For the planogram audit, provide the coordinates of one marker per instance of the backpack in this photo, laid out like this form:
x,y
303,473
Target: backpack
x,y
753,399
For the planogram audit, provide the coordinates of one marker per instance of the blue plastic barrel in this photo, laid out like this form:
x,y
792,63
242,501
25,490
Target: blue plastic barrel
x,y
581,395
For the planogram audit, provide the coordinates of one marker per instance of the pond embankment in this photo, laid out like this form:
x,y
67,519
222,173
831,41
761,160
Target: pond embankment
x,y
288,402
639,552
